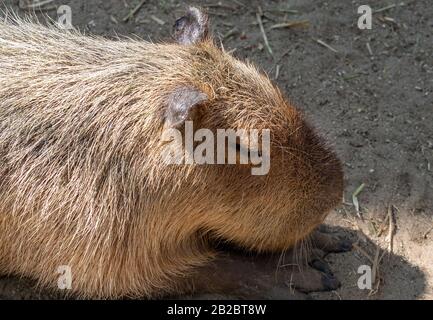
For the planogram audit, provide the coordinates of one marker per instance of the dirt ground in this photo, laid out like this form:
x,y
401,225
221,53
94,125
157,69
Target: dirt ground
x,y
370,93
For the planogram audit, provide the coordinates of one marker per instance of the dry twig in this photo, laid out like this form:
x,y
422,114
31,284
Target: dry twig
x,y
389,7
133,11
355,199
34,5
262,30
157,20
391,228
326,45
290,24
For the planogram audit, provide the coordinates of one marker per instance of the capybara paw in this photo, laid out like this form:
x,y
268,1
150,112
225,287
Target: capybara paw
x,y
330,242
321,265
313,272
317,277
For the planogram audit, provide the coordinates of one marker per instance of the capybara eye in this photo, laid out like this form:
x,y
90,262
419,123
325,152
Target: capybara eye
x,y
179,24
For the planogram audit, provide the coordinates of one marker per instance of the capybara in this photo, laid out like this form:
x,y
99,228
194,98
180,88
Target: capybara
x,y
82,180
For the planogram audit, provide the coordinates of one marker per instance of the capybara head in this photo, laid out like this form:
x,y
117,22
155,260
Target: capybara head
x,y
300,178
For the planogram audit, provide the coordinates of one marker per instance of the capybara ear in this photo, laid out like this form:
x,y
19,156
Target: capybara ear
x,y
182,105
191,28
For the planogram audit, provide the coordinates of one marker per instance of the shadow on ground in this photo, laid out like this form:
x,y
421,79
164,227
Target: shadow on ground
x,y
400,275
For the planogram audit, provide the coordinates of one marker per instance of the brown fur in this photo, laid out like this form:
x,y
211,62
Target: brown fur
x,y
81,183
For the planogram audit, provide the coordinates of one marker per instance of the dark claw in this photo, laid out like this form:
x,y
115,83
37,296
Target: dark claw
x,y
321,266
345,245
330,282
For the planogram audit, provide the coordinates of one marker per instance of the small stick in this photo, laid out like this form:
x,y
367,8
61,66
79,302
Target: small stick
x,y
262,30
133,11
375,267
229,33
353,224
239,3
326,45
382,226
113,19
157,20
232,50
290,24
390,236
36,4
337,294
289,265
369,48
355,199
290,284
377,275
260,11
389,7
354,76
284,11
389,19
277,71
375,290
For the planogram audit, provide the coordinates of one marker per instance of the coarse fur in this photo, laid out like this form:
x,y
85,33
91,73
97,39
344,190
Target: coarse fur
x,y
82,183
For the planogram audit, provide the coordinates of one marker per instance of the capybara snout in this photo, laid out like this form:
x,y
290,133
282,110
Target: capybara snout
x,y
83,180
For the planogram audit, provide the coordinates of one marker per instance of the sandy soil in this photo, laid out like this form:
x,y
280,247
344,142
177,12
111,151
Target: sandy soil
x,y
375,106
